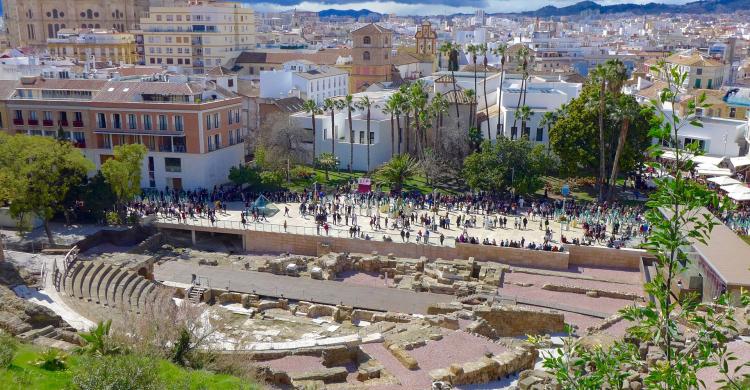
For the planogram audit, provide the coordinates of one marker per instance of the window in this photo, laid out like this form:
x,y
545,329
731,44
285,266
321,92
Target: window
x,y
116,121
237,115
701,143
361,137
208,122
210,143
216,120
217,141
147,122
367,40
162,122
697,83
372,137
231,137
366,56
78,116
178,123
230,83
513,131
710,83
47,115
539,134
132,122
699,71
732,112
101,120
32,116
172,164
231,117
18,115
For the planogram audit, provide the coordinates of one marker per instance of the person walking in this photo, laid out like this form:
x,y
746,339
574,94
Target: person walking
x,y
442,238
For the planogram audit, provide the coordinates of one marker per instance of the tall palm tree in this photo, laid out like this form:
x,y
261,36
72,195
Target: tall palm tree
x,y
390,109
439,106
417,101
548,119
524,114
610,78
406,111
502,51
398,105
365,103
484,50
473,50
471,95
625,113
452,50
348,103
311,107
332,105
523,65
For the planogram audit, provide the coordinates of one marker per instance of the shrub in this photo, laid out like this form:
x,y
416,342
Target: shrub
x,y
272,178
302,172
117,372
52,360
113,218
7,350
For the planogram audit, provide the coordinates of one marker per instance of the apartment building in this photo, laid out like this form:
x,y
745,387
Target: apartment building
x,y
31,22
199,36
193,132
98,45
702,71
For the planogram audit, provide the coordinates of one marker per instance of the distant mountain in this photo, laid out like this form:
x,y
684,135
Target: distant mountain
x,y
696,7
353,13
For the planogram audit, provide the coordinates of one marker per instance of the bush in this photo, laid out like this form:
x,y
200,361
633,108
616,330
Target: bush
x,y
272,178
7,350
302,172
113,218
52,360
117,372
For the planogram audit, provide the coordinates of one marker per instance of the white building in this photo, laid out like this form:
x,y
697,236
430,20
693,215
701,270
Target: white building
x,y
380,132
541,96
717,137
304,79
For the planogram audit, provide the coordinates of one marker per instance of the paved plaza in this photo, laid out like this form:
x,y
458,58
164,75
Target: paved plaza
x,y
295,223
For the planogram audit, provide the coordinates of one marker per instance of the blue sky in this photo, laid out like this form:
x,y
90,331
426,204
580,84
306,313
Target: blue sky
x,y
431,7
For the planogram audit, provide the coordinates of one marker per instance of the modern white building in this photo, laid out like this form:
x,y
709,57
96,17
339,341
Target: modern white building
x,y
541,96
718,137
380,133
304,79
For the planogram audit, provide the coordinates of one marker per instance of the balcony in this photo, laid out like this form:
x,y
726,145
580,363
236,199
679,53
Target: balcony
x,y
172,148
18,122
63,122
77,123
47,122
79,144
33,122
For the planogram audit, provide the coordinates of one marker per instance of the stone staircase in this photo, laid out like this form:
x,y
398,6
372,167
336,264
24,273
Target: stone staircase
x,y
48,337
195,294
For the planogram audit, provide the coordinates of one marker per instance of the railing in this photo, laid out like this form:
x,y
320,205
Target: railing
x,y
33,122
77,123
304,230
47,122
64,123
18,122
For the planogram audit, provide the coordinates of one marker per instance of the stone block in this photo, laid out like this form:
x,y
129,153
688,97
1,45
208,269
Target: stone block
x,y
229,297
403,357
326,375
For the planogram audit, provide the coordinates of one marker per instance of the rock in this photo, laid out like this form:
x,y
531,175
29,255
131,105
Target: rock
x,y
592,294
435,336
511,321
482,328
369,371
327,375
229,297
315,311
362,315
634,385
403,357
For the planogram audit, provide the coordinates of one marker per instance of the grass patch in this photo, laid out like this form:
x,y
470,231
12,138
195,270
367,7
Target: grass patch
x,y
339,178
23,375
746,239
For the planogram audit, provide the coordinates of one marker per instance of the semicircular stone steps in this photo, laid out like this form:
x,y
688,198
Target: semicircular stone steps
x,y
92,278
103,290
70,276
112,297
80,279
137,291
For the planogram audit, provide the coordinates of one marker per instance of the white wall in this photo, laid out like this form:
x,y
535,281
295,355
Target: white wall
x,y
275,84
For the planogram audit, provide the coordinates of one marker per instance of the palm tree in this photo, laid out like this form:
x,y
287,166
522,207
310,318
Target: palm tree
x,y
332,105
439,106
502,51
397,171
328,161
406,110
390,109
417,100
365,103
452,50
311,107
471,95
548,119
97,340
610,78
484,50
524,114
625,113
523,61
398,105
349,105
473,49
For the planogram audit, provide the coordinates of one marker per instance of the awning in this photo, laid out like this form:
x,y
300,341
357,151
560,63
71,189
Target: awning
x,y
707,160
713,171
738,162
735,188
739,196
723,180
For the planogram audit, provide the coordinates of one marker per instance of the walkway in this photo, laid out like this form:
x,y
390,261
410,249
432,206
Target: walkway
x,y
302,289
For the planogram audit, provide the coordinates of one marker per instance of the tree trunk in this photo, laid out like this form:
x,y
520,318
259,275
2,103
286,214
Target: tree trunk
x,y
500,97
486,105
48,230
518,105
455,97
351,142
393,140
602,151
616,163
398,124
313,136
408,146
368,140
333,135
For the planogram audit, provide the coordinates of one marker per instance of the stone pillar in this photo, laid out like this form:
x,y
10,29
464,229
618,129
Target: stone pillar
x,y
245,241
192,236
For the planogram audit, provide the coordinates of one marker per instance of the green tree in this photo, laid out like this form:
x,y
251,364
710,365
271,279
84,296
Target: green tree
x,y
397,171
451,50
328,161
473,50
472,96
677,215
484,50
244,174
123,172
97,341
391,108
38,172
365,104
438,106
311,107
350,105
331,105
523,57
524,114
272,178
506,164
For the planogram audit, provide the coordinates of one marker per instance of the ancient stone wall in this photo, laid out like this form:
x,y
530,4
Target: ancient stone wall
x,y
511,321
591,256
